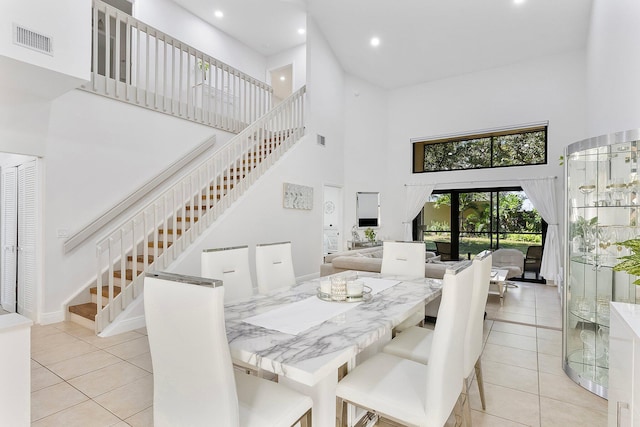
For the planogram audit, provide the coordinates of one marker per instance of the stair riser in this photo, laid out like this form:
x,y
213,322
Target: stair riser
x,y
139,266
170,237
118,282
94,299
159,244
82,321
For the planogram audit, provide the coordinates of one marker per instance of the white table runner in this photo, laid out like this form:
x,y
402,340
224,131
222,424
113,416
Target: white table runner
x,y
302,315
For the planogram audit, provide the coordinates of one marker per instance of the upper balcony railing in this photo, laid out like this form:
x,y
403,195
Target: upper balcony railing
x,y
135,63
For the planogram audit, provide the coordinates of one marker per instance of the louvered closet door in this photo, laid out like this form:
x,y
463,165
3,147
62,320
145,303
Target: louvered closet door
x,y
27,213
9,238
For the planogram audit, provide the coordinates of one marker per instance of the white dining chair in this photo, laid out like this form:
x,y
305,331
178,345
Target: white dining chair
x,y
231,265
415,343
274,266
405,259
409,392
194,383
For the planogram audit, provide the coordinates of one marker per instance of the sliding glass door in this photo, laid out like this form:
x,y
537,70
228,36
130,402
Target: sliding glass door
x,y
469,221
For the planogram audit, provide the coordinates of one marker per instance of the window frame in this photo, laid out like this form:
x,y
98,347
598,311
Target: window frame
x,y
494,228
419,146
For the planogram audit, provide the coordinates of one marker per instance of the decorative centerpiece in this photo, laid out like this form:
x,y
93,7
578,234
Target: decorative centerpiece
x,y
341,289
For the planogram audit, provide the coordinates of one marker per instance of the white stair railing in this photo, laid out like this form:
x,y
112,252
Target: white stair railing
x,y
163,229
135,63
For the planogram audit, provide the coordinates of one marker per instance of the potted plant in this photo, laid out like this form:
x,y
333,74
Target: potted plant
x,y
370,234
204,67
630,263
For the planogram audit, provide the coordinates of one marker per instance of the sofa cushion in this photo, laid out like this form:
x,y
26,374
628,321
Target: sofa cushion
x,y
363,251
358,263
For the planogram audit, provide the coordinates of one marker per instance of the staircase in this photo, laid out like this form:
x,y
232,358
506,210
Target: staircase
x,y
157,234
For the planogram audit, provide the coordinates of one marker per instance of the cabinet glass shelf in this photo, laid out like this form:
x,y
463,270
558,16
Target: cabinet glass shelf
x,y
602,208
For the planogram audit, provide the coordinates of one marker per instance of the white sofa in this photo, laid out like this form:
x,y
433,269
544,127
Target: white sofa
x,y
370,259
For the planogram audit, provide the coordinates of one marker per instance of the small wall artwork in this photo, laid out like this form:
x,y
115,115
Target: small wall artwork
x,y
298,196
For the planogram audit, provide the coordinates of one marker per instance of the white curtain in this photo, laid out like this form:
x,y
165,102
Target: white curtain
x,y
542,194
417,196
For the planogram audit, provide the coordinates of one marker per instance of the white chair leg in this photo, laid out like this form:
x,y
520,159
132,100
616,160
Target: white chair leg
x,y
478,368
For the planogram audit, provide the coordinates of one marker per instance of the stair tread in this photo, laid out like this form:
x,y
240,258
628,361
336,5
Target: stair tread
x,y
118,274
171,230
87,310
140,258
105,291
187,219
160,246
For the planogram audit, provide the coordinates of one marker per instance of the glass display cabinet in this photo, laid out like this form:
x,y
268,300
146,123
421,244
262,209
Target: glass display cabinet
x,y
602,208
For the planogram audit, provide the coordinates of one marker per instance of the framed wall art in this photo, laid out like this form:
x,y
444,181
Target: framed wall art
x,y
297,196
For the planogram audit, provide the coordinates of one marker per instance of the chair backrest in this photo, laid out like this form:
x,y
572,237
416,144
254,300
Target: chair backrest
x,y
403,258
231,265
274,266
444,250
534,256
193,381
505,257
445,369
475,325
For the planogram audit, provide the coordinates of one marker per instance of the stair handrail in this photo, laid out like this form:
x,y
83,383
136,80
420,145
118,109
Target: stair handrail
x,y
127,202
198,198
149,68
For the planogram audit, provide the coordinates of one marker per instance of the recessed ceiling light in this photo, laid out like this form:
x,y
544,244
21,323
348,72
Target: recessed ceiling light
x,y
301,31
518,1
375,41
282,78
218,14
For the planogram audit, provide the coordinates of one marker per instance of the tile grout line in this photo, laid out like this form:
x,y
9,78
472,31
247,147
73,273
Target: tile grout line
x,y
80,391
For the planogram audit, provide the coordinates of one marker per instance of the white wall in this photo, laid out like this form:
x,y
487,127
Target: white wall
x,y
550,89
258,217
99,151
168,17
297,56
613,67
366,138
67,22
30,79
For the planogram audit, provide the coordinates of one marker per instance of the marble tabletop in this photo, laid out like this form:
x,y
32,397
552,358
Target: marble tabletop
x,y
318,352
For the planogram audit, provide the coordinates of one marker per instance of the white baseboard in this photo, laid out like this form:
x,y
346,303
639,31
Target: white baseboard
x,y
52,317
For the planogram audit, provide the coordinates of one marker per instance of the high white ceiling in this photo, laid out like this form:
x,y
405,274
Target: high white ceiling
x,y
421,40
267,26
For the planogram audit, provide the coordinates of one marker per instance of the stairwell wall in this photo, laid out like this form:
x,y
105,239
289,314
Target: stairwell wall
x,y
98,152
169,17
259,216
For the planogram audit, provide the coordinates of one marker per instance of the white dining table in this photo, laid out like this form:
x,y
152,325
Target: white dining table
x,y
308,355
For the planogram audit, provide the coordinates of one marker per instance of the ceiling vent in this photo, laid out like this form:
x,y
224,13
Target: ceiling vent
x,y
32,40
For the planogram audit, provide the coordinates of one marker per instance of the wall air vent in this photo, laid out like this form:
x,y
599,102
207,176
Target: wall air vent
x,y
32,40
321,140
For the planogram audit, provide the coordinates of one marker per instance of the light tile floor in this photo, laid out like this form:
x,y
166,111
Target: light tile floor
x,y
522,366
79,379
